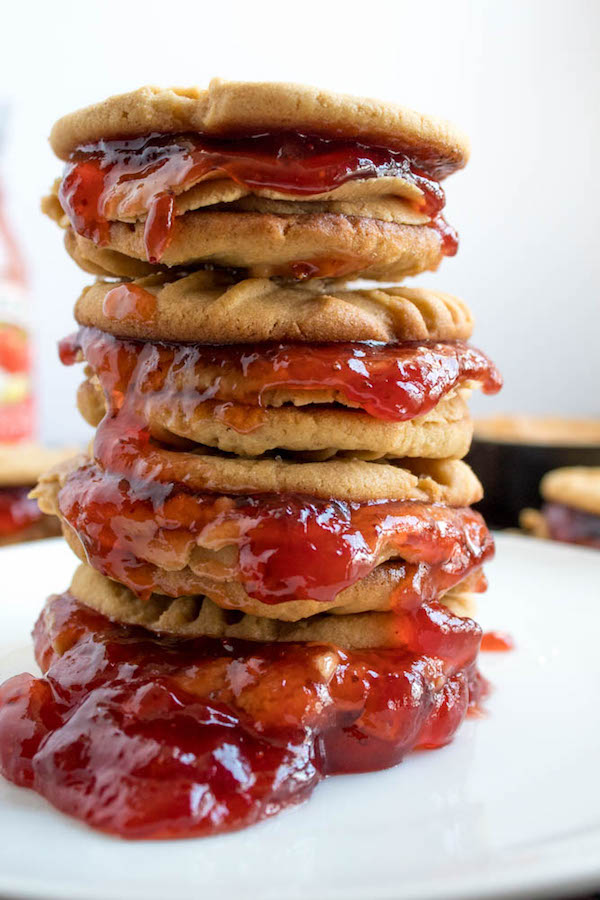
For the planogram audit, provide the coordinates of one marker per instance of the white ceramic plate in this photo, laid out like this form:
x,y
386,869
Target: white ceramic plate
x,y
511,808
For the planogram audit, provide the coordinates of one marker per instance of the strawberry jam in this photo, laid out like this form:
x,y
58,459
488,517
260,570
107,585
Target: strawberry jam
x,y
288,547
393,382
136,515
573,526
129,302
497,642
140,177
156,738
448,235
17,511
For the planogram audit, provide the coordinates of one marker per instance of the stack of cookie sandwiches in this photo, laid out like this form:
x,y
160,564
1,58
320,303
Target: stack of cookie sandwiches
x,y
278,553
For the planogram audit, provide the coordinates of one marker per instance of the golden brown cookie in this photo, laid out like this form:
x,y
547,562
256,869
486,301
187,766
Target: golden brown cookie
x,y
207,307
450,482
443,433
532,521
234,107
22,464
104,262
197,616
576,486
539,430
266,245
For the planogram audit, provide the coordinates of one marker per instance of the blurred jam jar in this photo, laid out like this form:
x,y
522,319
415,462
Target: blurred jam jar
x,y
17,418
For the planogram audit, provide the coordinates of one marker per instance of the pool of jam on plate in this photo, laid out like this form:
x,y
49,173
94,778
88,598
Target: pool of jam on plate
x,y
158,738
121,179
394,382
17,511
573,526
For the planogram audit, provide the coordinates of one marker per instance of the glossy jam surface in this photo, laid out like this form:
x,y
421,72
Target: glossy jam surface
x,y
117,179
497,642
17,511
573,526
149,738
393,382
129,302
135,515
288,547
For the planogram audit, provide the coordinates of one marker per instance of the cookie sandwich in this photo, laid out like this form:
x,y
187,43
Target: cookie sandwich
x,y
21,465
571,507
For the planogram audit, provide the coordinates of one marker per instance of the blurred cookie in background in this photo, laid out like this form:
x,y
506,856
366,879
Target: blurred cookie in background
x,y
571,509
21,464
512,453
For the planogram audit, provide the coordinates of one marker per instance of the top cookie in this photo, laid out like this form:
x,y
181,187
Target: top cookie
x,y
228,107
574,486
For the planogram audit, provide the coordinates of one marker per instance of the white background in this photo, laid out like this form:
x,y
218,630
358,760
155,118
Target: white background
x,y
521,76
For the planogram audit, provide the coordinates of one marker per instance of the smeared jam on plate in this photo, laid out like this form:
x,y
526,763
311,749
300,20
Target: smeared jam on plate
x,y
148,737
394,382
497,642
17,511
573,526
125,179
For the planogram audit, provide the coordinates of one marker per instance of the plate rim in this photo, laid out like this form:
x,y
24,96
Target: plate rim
x,y
550,872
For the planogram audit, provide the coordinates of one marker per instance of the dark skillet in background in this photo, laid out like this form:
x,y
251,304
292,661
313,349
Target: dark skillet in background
x,y
510,454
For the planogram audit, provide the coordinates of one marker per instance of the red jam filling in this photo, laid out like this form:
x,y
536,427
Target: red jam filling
x,y
17,511
110,179
131,506
573,526
290,547
393,382
129,303
497,642
157,738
